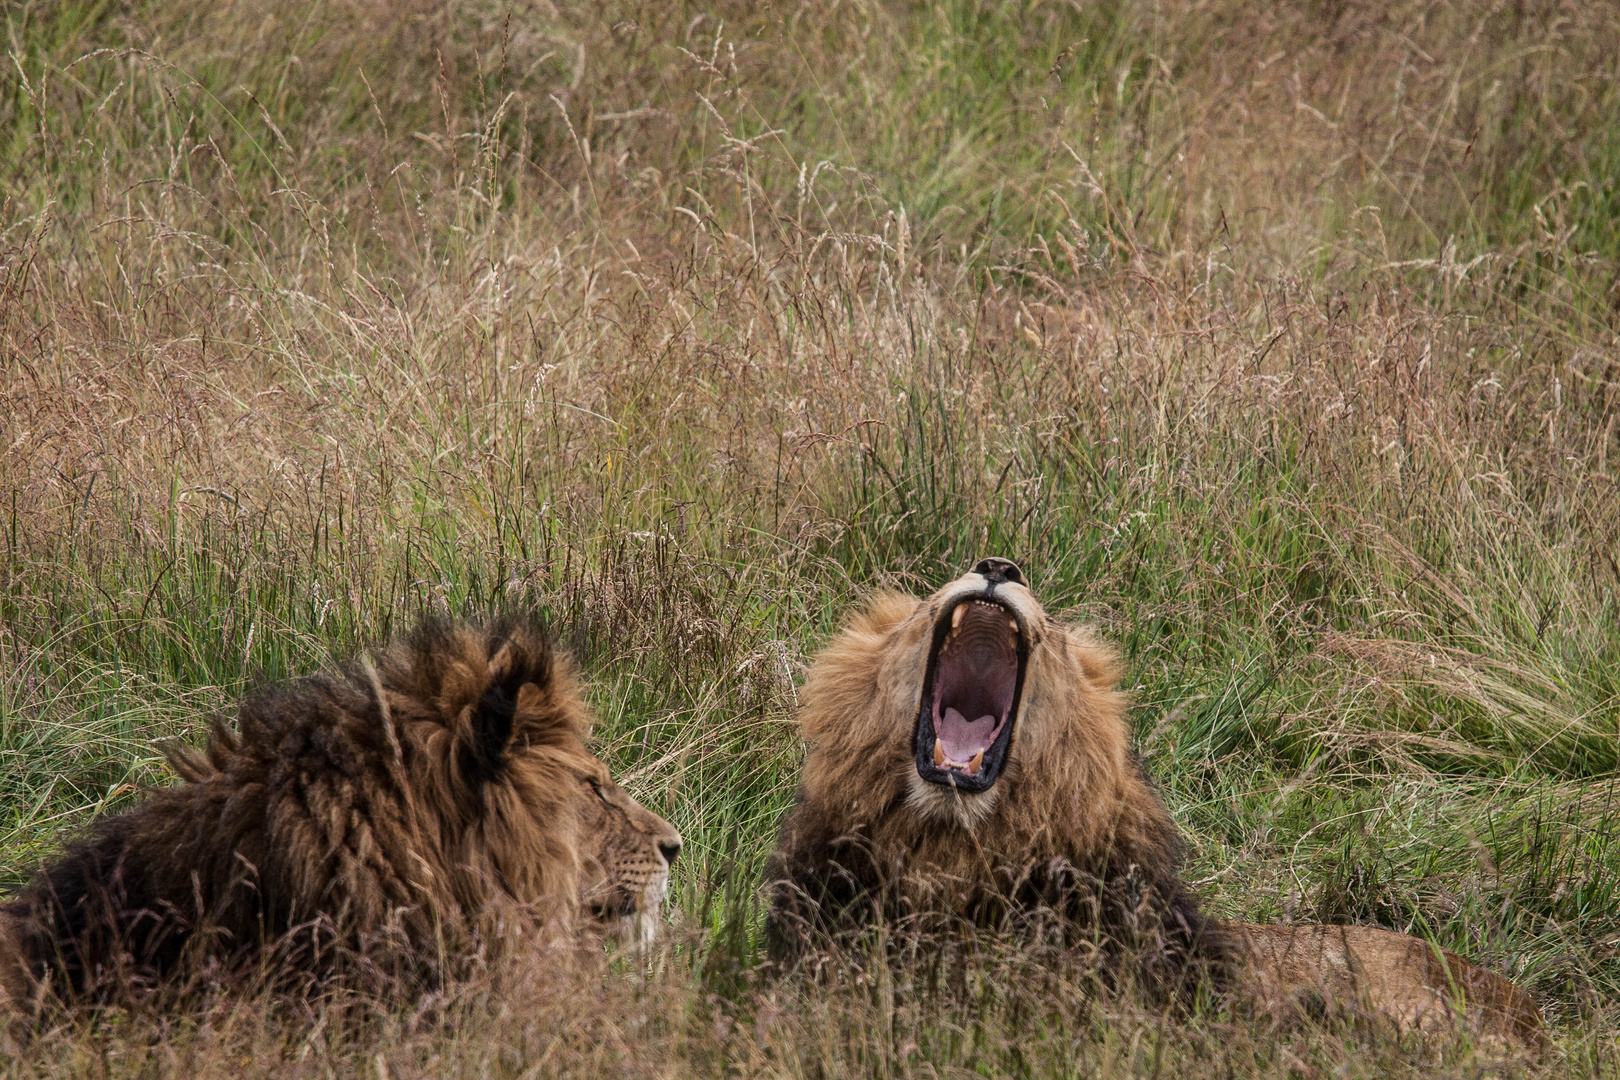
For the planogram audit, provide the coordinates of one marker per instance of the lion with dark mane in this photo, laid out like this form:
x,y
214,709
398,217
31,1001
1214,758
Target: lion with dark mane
x,y
969,762
419,803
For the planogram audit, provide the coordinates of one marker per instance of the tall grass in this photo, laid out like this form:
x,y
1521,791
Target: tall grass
x,y
1280,341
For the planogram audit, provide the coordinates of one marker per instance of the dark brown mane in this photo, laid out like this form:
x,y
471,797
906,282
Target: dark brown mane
x,y
397,800
1127,901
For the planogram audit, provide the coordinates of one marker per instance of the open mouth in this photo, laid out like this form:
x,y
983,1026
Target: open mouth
x,y
970,695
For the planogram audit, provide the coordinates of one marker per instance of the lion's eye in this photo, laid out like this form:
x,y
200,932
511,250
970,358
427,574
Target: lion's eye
x,y
596,786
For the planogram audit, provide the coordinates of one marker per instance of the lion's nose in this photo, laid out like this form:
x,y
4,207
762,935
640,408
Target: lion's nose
x,y
996,571
670,848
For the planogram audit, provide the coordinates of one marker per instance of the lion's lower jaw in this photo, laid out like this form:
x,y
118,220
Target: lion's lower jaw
x,y
639,929
940,805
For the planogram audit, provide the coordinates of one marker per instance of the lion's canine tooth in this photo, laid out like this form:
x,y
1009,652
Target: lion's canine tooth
x,y
939,754
1013,625
956,616
973,766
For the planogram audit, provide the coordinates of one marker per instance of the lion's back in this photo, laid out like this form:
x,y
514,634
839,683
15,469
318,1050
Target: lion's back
x,y
1384,974
232,849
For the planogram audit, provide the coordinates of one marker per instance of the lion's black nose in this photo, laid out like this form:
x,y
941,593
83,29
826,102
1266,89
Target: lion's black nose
x,y
670,848
996,571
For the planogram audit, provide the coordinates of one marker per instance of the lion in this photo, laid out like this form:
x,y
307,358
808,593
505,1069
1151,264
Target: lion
x,y
969,759
915,804
435,797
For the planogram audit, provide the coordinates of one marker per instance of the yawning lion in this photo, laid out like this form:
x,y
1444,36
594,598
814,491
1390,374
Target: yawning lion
x,y
969,760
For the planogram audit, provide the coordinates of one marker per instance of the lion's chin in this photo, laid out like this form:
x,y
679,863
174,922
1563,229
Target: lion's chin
x,y
639,930
635,921
942,805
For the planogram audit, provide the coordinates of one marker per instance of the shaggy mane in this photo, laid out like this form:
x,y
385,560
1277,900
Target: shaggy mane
x,y
414,796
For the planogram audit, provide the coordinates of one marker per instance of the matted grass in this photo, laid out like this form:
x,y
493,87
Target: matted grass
x,y
1280,341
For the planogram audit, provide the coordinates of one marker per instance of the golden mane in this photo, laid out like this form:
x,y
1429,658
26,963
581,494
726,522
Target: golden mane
x,y
1072,737
1070,823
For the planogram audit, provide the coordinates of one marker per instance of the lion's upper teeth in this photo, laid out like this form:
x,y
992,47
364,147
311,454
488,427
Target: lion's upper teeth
x,y
956,616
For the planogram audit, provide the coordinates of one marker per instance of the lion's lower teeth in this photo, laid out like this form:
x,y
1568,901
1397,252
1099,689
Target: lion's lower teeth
x,y
940,760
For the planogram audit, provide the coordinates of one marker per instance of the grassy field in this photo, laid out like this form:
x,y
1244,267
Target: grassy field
x,y
1281,341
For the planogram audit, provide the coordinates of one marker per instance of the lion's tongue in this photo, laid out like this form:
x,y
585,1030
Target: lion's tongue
x,y
962,738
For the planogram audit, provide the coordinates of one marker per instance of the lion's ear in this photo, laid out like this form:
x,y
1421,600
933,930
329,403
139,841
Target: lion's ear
x,y
516,666
483,752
